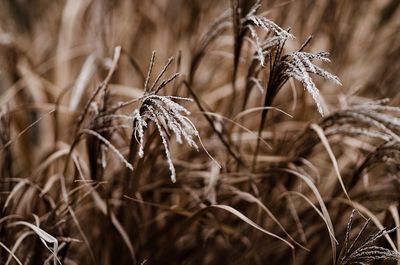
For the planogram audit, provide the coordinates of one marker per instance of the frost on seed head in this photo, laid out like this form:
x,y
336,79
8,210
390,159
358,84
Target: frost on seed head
x,y
298,65
168,116
373,119
252,21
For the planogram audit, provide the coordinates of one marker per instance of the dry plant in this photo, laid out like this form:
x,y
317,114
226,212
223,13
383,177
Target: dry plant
x,y
244,147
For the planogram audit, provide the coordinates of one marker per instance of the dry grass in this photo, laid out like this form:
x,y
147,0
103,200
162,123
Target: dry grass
x,y
253,144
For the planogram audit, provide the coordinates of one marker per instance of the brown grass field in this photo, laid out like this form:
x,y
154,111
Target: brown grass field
x,y
199,132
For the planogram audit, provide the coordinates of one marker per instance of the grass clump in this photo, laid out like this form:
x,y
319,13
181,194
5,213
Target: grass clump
x,y
232,153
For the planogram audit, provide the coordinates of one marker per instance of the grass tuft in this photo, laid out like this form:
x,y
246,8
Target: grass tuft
x,y
105,144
